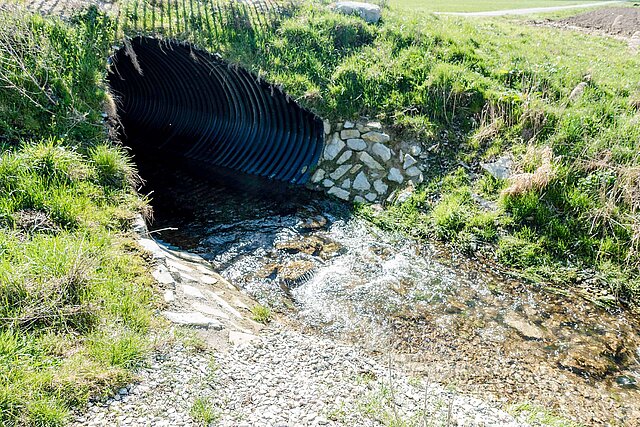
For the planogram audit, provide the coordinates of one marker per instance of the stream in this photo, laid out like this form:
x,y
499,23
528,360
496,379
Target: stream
x,y
442,316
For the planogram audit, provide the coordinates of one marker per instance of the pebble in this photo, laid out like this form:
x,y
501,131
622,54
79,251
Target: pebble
x,y
283,378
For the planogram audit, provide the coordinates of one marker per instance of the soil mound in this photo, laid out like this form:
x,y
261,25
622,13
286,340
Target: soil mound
x,y
622,21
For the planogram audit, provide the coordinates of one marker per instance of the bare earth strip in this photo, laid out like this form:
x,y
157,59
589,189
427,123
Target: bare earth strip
x,y
528,11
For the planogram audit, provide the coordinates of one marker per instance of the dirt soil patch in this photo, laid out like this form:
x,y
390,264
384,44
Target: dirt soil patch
x,y
619,21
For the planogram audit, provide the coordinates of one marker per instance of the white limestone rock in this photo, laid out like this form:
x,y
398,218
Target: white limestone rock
x,y
361,183
349,134
340,193
237,338
371,196
327,183
380,187
194,319
375,136
409,161
369,161
344,157
382,151
163,277
348,125
192,291
169,296
340,171
346,184
395,175
210,310
318,176
413,171
333,148
359,199
208,280
356,144
367,11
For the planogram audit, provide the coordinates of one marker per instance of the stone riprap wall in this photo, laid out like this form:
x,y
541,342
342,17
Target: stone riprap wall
x,y
364,163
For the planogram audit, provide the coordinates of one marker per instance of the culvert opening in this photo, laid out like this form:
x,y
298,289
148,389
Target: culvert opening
x,y
182,103
215,145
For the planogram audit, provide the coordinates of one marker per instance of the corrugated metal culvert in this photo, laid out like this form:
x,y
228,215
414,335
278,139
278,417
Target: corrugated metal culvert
x,y
184,101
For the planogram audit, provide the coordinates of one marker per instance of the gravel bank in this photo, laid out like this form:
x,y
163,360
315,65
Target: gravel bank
x,y
286,378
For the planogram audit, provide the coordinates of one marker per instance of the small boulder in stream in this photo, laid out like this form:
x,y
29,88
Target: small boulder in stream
x,y
523,326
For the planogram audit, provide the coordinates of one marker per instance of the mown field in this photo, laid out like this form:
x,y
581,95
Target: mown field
x,y
479,5
76,298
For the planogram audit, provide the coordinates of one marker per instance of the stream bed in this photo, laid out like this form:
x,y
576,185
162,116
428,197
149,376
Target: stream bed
x,y
445,317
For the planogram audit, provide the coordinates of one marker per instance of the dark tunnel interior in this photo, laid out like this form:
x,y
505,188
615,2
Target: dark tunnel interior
x,y
188,105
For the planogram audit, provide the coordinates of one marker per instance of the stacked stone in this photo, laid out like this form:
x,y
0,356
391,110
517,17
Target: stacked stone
x,y
362,163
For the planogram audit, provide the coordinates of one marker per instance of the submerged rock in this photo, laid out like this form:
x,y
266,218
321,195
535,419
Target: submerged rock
x,y
587,358
314,223
296,272
523,326
314,245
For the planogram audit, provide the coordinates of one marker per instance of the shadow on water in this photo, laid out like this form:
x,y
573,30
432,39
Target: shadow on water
x,y
446,317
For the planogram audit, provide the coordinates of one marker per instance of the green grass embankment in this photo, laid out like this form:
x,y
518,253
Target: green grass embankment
x,y
75,294
474,90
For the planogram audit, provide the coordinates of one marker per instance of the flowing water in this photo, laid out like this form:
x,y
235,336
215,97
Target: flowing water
x,y
450,318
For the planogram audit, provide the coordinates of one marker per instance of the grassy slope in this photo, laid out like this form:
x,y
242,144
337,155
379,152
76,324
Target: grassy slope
x,y
473,90
479,5
470,90
74,292
75,301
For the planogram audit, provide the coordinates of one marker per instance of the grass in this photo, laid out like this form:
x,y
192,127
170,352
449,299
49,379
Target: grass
x,y
479,5
261,314
536,415
75,294
203,411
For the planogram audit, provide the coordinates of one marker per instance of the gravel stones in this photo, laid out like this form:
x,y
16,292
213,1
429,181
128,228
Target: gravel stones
x,y
283,378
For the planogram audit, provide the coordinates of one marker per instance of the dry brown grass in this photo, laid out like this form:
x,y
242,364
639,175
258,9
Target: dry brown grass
x,y
523,182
